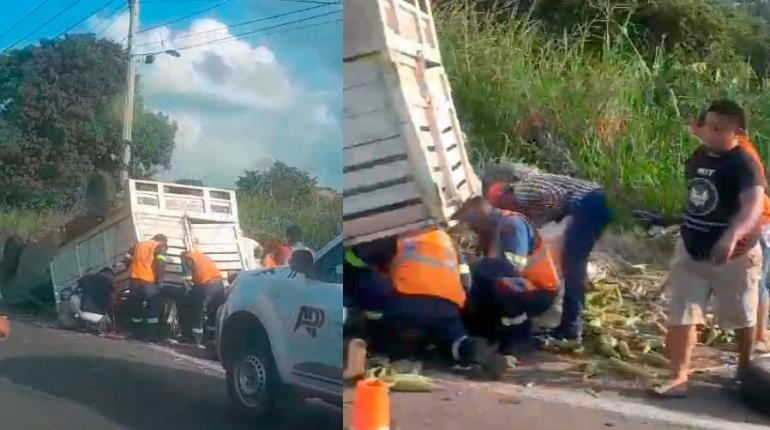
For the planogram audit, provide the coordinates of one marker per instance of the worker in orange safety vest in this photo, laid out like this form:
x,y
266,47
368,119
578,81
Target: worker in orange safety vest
x,y
206,292
146,268
423,292
514,281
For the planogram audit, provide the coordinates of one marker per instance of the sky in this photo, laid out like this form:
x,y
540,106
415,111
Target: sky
x,y
239,104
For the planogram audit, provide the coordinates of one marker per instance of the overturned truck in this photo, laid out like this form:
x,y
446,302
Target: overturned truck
x,y
204,218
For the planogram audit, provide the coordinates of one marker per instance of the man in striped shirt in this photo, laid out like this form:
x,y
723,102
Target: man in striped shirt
x,y
544,197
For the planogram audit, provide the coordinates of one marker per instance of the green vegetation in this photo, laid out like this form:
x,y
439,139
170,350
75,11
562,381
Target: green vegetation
x,y
620,101
60,121
271,200
264,217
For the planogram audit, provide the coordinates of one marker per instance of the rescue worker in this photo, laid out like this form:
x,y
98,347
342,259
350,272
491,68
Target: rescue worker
x,y
146,268
5,328
515,280
542,198
206,294
422,291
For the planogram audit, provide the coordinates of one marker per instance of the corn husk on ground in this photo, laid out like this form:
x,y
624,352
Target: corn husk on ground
x,y
625,326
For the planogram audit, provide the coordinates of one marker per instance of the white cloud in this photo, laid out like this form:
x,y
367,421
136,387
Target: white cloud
x,y
235,103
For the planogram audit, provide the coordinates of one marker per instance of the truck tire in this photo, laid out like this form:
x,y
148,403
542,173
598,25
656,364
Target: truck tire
x,y
100,194
169,318
11,255
755,384
252,379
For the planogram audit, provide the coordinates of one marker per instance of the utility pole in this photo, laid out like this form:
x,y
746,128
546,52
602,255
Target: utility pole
x,y
128,112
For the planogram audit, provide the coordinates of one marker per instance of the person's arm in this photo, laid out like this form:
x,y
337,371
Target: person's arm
x,y
128,257
465,271
751,185
516,240
160,264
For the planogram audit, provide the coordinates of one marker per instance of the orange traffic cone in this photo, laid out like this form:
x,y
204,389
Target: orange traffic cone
x,y
371,406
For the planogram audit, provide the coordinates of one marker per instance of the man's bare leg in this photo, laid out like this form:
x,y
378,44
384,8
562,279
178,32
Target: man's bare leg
x,y
744,338
761,328
680,342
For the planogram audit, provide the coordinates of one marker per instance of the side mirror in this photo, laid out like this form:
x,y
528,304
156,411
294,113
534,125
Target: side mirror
x,y
301,261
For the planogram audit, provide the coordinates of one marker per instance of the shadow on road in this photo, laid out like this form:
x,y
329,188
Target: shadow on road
x,y
141,396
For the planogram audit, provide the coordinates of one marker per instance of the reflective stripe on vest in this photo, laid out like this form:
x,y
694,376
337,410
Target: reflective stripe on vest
x,y
538,267
204,270
426,265
353,260
142,261
540,270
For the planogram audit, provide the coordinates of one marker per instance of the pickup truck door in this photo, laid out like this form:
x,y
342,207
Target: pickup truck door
x,y
316,330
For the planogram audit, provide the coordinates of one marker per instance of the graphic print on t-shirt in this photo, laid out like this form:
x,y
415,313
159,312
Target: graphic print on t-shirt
x,y
703,196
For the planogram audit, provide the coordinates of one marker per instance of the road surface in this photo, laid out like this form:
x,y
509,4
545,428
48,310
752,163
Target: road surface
x,y
56,379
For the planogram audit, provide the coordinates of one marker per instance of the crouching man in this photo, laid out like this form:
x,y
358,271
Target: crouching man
x,y
423,291
514,281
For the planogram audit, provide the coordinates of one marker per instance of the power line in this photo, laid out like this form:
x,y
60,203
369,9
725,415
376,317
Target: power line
x,y
280,15
70,6
111,18
84,19
327,3
24,18
252,32
184,17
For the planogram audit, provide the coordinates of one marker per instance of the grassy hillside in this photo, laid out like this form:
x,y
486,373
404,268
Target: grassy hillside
x,y
262,218
622,113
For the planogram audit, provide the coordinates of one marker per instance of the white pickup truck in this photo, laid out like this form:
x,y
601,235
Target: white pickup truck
x,y
279,334
190,216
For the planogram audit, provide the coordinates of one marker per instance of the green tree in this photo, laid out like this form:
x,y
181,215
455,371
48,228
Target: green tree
x,y
60,120
280,181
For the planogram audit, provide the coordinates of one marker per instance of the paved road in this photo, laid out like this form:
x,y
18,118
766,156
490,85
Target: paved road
x,y
458,404
55,379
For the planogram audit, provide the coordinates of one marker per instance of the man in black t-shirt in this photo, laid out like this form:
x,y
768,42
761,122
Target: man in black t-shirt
x,y
719,254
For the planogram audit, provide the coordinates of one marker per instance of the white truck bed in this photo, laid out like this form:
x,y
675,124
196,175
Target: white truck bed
x,y
189,216
405,163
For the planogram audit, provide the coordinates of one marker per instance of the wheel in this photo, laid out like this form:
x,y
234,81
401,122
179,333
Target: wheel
x,y
169,319
755,384
11,255
252,380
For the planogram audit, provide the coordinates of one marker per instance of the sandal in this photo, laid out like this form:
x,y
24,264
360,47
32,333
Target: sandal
x,y
669,390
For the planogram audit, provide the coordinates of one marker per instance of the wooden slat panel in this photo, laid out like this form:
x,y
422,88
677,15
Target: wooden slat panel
x,y
380,198
376,175
388,220
377,150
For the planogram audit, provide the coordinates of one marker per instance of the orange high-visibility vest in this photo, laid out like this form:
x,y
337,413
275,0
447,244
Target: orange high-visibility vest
x,y
538,267
269,261
204,270
747,146
142,262
426,264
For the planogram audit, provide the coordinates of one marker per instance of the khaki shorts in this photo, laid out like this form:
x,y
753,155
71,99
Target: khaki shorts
x,y
691,284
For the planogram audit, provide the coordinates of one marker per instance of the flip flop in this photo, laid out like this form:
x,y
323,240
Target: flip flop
x,y
669,390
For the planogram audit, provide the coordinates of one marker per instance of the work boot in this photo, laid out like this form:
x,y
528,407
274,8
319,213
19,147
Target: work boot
x,y
486,355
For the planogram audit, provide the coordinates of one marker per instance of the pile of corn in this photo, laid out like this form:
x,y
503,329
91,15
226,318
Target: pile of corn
x,y
624,326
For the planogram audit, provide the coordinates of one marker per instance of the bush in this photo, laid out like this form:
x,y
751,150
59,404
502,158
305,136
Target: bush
x,y
624,117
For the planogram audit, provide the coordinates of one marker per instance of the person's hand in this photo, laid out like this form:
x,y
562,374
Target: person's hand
x,y
512,284
724,248
5,328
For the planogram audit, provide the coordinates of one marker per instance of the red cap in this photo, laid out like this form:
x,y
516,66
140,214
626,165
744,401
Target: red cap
x,y
495,193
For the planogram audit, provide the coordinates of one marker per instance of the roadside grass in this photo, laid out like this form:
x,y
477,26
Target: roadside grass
x,y
262,218
265,217
29,225
624,117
